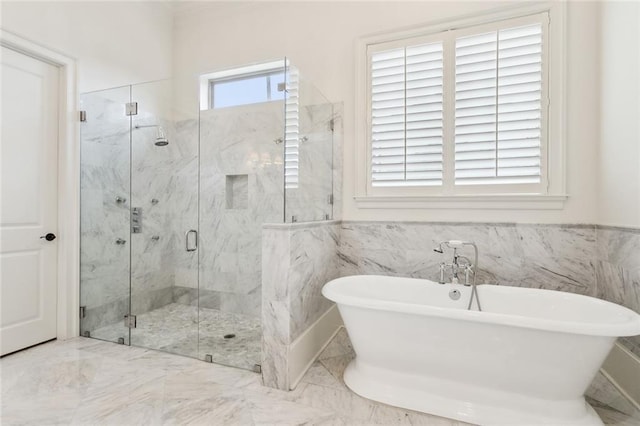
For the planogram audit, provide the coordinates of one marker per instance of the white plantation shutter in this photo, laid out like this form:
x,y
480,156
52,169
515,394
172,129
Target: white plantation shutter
x,y
498,107
462,111
407,116
292,130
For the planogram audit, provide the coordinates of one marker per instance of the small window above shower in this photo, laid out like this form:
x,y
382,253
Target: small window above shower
x,y
245,85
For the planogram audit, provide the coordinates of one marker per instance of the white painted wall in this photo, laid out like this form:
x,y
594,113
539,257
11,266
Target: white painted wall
x,y
319,37
619,153
116,43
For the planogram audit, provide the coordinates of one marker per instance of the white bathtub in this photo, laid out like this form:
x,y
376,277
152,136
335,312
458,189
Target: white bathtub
x,y
526,359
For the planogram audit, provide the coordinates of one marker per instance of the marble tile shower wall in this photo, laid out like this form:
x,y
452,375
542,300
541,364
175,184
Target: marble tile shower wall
x,y
119,160
164,185
242,187
618,271
104,266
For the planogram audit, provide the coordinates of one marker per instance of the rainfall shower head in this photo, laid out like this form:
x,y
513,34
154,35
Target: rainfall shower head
x,y
161,137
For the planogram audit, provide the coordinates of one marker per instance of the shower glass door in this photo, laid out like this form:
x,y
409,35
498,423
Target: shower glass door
x,y
105,182
241,188
164,223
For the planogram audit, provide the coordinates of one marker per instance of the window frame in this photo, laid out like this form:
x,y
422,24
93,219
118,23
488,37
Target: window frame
x,y
239,73
240,77
549,194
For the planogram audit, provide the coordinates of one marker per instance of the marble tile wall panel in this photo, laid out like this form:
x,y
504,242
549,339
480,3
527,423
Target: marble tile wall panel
x,y
119,159
557,257
618,271
298,259
314,262
238,141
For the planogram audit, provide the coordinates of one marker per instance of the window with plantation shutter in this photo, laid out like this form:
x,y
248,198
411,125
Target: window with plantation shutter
x,y
291,131
462,111
498,110
406,116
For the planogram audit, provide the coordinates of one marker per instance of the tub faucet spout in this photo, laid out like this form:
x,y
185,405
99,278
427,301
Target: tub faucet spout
x,y
456,266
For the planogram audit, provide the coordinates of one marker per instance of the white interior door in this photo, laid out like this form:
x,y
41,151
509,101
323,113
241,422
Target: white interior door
x,y
28,201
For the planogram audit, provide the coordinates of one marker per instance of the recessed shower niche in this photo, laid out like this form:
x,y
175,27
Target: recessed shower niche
x,y
192,274
236,192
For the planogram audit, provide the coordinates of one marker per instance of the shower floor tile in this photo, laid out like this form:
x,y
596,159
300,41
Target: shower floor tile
x,y
174,328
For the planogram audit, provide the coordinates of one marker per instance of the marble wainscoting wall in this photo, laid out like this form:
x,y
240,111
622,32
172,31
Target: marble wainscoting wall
x,y
618,271
555,257
298,259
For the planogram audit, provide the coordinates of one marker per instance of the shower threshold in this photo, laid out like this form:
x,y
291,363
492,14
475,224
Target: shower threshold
x,y
185,330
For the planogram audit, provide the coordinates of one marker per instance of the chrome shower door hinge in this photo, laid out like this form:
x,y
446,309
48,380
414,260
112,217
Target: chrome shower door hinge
x,y
130,321
330,199
131,108
332,124
83,312
83,116
257,368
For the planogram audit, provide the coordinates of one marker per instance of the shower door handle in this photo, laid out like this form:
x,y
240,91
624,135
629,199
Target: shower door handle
x,y
195,240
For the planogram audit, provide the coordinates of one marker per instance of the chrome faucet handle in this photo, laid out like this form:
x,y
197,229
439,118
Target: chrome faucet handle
x,y
468,270
442,268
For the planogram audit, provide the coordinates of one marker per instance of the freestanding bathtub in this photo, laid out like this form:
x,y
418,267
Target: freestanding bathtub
x,y
526,359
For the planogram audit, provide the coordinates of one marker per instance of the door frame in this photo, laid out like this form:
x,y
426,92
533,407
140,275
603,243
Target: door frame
x,y
68,292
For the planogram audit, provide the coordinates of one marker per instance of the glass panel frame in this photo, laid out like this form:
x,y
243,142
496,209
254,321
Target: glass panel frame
x,y
105,185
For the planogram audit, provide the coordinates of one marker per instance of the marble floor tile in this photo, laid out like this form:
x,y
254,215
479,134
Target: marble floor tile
x,y
189,331
89,382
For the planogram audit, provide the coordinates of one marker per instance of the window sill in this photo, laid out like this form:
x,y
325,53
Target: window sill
x,y
486,202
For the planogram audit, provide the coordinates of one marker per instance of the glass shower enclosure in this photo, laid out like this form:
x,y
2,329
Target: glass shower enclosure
x,y
172,208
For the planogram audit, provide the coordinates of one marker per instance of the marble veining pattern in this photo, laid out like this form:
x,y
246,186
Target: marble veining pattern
x,y
597,261
86,381
298,259
557,258
119,159
618,271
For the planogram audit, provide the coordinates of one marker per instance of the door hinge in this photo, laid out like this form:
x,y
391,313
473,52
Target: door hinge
x,y
83,311
332,124
83,116
130,321
330,199
131,108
